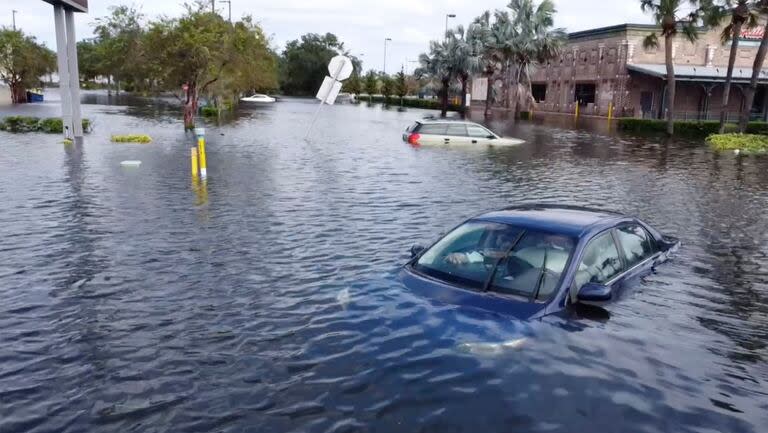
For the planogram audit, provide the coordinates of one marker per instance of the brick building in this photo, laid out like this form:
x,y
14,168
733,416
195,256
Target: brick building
x,y
609,65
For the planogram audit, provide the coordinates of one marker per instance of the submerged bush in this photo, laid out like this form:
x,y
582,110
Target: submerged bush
x,y
131,138
51,125
752,143
209,111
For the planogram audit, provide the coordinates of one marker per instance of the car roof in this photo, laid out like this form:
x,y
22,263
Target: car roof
x,y
451,121
572,221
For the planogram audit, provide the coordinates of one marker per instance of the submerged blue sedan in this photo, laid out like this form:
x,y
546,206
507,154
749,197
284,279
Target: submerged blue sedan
x,y
535,260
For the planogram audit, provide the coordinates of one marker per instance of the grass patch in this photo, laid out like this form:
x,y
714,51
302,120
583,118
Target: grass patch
x,y
691,128
751,143
210,111
51,125
131,138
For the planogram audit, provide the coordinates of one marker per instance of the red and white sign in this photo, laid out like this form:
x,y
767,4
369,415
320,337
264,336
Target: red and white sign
x,y
754,34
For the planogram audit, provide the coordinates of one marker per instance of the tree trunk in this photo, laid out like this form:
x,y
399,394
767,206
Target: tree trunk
x,y
670,85
731,61
464,79
505,85
190,106
444,96
18,93
109,85
749,95
488,95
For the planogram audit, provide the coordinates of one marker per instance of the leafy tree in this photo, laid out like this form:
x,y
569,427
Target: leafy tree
x,y
22,62
401,86
387,87
669,15
371,84
118,45
353,85
88,60
761,6
304,63
742,14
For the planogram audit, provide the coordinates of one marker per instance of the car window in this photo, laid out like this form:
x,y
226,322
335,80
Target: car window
x,y
467,255
600,261
457,130
635,243
534,267
477,131
412,127
435,128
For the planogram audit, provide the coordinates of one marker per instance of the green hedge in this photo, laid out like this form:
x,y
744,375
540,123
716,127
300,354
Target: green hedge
x,y
429,104
752,143
687,127
51,125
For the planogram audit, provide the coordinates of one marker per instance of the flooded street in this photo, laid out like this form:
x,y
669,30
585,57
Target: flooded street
x,y
267,300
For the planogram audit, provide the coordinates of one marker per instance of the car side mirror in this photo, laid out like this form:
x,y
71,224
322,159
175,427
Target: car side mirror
x,y
416,250
491,137
592,292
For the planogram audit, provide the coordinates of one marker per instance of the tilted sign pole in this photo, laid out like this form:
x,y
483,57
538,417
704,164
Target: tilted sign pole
x,y
340,68
63,63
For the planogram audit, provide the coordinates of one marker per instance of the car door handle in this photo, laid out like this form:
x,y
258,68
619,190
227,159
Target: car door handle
x,y
447,140
474,141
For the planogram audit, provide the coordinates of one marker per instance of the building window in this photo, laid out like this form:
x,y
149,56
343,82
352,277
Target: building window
x,y
585,93
539,92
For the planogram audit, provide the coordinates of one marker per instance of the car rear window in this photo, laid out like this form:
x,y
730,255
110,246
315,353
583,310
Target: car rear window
x,y
413,127
478,131
433,129
458,130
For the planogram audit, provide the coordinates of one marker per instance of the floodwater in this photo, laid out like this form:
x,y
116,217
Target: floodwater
x,y
134,299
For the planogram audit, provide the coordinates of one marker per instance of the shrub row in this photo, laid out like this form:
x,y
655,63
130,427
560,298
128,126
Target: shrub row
x,y
752,143
687,127
51,125
429,104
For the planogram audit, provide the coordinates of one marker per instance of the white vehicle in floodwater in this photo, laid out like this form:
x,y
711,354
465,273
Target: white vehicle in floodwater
x,y
258,98
454,132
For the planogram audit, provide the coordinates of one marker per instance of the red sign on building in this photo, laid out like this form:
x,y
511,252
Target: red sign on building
x,y
754,34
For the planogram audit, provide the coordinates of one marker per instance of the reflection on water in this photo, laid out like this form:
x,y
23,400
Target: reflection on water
x,y
265,297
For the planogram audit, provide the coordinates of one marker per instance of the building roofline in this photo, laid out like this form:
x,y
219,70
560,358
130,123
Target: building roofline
x,y
619,28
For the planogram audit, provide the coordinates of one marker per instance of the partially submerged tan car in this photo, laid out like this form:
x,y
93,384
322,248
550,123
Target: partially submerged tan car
x,y
454,132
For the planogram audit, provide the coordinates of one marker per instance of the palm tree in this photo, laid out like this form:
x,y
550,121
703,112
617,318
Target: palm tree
x,y
437,66
667,13
741,14
527,38
463,57
761,6
480,36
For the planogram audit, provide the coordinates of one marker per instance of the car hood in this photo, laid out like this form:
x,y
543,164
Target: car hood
x,y
466,298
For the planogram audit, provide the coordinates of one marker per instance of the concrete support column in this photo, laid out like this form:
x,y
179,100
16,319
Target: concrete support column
x,y
63,64
74,74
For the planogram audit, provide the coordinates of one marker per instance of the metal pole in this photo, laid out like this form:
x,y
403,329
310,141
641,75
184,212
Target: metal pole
x,y
446,24
14,19
385,54
74,74
229,3
213,6
63,64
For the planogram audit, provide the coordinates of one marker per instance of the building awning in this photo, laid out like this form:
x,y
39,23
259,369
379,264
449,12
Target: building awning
x,y
714,74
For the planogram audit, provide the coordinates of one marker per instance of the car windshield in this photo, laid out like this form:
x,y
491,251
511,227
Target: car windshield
x,y
500,258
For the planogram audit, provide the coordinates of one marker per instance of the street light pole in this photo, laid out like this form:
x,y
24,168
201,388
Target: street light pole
x,y
385,54
446,22
14,19
229,3
213,6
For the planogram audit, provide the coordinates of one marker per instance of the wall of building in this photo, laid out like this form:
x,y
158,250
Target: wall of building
x,y
5,95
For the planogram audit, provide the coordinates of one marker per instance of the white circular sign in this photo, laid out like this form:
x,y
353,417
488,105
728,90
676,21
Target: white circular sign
x,y
340,68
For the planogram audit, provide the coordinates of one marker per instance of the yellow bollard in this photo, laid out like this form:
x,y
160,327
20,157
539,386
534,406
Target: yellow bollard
x,y
193,156
610,112
576,113
200,133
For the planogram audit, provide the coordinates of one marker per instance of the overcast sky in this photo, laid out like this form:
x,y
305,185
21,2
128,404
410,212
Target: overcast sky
x,y
361,24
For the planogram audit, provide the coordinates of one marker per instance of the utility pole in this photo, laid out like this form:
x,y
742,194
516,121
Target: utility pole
x,y
213,6
229,3
14,19
385,54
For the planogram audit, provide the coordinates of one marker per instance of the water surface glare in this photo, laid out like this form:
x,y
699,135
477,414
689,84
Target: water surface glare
x,y
133,299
